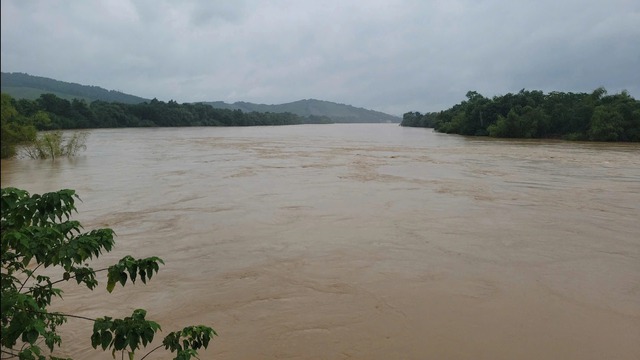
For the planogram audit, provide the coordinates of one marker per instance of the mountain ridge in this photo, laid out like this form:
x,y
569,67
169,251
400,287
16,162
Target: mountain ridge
x,y
25,86
312,107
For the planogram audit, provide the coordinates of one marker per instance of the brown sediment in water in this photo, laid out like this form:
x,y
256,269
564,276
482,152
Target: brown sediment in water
x,y
363,241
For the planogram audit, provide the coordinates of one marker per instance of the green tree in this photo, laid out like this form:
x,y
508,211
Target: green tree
x,y
37,233
411,119
606,125
505,126
15,129
532,114
52,144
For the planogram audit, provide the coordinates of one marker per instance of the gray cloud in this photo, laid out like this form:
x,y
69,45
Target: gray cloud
x,y
393,56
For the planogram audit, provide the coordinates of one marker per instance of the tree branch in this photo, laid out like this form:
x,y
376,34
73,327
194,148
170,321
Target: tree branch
x,y
10,353
61,280
28,277
154,349
61,314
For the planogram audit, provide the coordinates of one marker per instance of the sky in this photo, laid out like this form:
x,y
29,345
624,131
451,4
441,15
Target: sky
x,y
390,56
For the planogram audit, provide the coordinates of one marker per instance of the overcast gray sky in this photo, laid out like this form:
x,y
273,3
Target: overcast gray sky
x,y
391,56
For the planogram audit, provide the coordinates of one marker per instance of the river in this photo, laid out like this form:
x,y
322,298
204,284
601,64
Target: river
x,y
362,241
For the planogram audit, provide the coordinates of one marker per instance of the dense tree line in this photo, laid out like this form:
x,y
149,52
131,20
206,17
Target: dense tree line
x,y
533,114
77,114
21,118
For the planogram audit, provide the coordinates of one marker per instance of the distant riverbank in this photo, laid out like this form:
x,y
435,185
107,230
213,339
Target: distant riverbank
x,y
533,114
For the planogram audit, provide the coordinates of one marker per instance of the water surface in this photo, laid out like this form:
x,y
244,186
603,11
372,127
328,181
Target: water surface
x,y
365,241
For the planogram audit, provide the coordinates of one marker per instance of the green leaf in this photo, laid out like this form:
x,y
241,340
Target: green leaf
x,y
31,336
111,283
106,339
123,278
120,341
95,340
134,340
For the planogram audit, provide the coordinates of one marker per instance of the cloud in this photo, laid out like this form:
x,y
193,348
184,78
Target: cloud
x,y
394,56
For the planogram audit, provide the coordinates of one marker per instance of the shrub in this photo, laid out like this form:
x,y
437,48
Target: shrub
x,y
52,144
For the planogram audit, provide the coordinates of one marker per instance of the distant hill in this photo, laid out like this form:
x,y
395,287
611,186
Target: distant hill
x,y
25,86
311,107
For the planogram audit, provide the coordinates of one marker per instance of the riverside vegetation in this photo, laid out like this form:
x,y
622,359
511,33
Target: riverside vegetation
x,y
21,130
533,114
527,114
78,114
37,234
22,119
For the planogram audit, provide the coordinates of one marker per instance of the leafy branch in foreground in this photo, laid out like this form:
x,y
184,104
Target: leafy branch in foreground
x,y
37,233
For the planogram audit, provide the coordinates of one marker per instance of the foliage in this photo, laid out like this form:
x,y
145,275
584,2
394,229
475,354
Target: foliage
x,y
533,114
37,233
16,129
606,124
416,119
52,144
77,114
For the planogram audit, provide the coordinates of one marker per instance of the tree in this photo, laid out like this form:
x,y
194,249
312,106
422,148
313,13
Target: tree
x,y
411,119
532,114
606,125
15,129
505,126
52,145
37,233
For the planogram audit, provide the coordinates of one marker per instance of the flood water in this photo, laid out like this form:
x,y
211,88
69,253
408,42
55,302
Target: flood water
x,y
362,241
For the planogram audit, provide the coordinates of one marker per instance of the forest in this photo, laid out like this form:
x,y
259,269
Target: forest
x,y
58,113
592,116
22,118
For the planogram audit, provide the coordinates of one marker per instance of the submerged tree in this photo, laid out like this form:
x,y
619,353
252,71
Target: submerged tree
x,y
53,144
37,233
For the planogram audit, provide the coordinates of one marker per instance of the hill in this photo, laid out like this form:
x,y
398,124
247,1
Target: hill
x,y
25,86
311,107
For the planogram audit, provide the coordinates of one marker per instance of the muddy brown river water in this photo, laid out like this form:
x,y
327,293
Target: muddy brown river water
x,y
362,241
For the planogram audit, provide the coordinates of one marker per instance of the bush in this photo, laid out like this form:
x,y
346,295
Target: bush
x,y
52,144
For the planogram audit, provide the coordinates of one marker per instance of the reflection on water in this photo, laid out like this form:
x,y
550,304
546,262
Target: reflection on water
x,y
366,241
